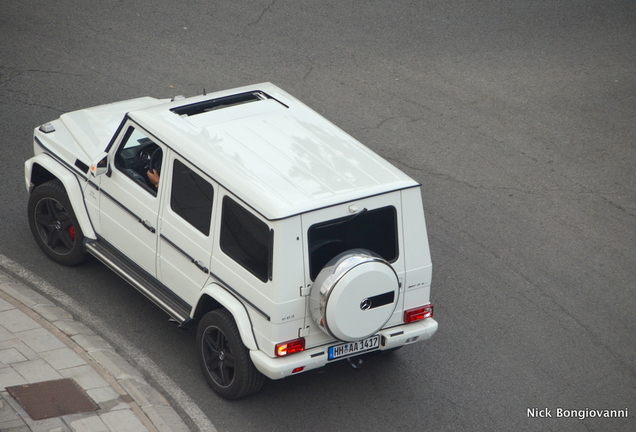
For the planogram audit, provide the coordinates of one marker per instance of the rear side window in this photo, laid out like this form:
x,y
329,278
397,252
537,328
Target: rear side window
x,y
191,197
374,230
246,239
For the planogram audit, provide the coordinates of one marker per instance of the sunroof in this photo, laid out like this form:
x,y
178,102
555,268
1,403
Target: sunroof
x,y
220,103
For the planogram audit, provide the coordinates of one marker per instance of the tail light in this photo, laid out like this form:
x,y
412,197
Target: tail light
x,y
418,313
290,347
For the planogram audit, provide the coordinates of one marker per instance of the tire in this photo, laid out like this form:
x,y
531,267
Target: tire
x,y
225,361
54,225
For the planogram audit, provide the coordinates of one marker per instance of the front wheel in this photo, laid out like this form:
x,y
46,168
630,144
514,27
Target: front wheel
x,y
224,360
54,225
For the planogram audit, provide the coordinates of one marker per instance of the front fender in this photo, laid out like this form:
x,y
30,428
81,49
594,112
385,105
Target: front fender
x,y
236,308
72,184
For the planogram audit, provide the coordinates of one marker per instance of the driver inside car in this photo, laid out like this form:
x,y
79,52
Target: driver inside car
x,y
138,155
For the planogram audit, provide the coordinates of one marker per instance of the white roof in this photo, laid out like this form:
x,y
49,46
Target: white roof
x,y
278,155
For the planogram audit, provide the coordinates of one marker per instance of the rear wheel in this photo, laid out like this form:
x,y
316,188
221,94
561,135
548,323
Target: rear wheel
x,y
54,225
224,360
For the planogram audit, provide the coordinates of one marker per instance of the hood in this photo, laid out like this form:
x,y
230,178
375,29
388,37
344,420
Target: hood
x,y
93,128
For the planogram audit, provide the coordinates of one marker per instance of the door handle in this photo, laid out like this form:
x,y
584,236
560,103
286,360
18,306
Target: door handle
x,y
147,225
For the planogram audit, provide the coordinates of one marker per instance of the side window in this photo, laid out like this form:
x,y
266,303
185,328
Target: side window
x,y
191,197
246,239
136,156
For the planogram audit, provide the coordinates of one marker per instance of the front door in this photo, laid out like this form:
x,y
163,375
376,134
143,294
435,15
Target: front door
x,y
129,199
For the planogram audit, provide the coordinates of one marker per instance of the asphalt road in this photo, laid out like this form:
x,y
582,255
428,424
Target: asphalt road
x,y
518,117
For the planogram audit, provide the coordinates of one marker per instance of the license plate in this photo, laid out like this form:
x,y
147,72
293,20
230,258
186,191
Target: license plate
x,y
350,348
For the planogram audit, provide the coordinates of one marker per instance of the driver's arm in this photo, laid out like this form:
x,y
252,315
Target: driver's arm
x,y
153,176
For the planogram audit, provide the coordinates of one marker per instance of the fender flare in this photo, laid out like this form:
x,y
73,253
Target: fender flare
x,y
236,308
71,184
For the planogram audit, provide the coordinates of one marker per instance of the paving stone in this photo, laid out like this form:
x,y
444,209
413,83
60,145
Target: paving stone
x,y
52,313
14,426
47,425
85,376
165,419
143,393
86,423
72,328
123,421
20,346
35,371
5,334
15,321
91,342
27,297
107,399
62,358
40,340
7,413
9,377
11,355
115,364
5,305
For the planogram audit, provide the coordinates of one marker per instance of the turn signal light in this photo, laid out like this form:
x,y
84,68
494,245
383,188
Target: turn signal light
x,y
418,314
290,347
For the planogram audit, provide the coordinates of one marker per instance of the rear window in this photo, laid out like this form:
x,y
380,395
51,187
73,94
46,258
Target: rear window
x,y
374,230
246,239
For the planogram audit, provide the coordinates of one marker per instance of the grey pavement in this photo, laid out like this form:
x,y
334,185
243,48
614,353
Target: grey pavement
x,y
40,342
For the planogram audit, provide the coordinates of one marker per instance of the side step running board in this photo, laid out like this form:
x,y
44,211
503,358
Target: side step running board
x,y
143,282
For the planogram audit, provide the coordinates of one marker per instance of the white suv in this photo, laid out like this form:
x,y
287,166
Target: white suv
x,y
289,243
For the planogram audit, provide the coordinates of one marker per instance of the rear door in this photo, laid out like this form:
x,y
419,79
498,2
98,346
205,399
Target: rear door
x,y
128,201
185,233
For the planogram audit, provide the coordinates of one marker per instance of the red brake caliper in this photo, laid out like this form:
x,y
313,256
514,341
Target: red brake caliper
x,y
71,232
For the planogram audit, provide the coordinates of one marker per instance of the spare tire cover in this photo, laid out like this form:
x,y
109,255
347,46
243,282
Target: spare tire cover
x,y
354,295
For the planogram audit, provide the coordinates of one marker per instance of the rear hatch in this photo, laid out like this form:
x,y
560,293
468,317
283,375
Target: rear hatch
x,y
370,224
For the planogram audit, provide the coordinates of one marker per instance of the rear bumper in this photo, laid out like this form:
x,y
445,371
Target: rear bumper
x,y
394,337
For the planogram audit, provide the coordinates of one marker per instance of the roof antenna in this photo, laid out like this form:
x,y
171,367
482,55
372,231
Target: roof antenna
x,y
204,92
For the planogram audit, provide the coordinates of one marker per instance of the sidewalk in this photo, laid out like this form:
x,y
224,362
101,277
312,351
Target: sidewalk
x,y
58,371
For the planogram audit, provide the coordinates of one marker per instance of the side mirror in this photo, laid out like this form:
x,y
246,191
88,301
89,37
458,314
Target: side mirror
x,y
100,165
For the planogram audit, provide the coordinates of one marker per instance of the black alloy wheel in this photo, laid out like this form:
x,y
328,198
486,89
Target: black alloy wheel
x,y
54,225
224,360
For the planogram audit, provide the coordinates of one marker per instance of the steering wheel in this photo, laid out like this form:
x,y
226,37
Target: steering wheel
x,y
155,160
